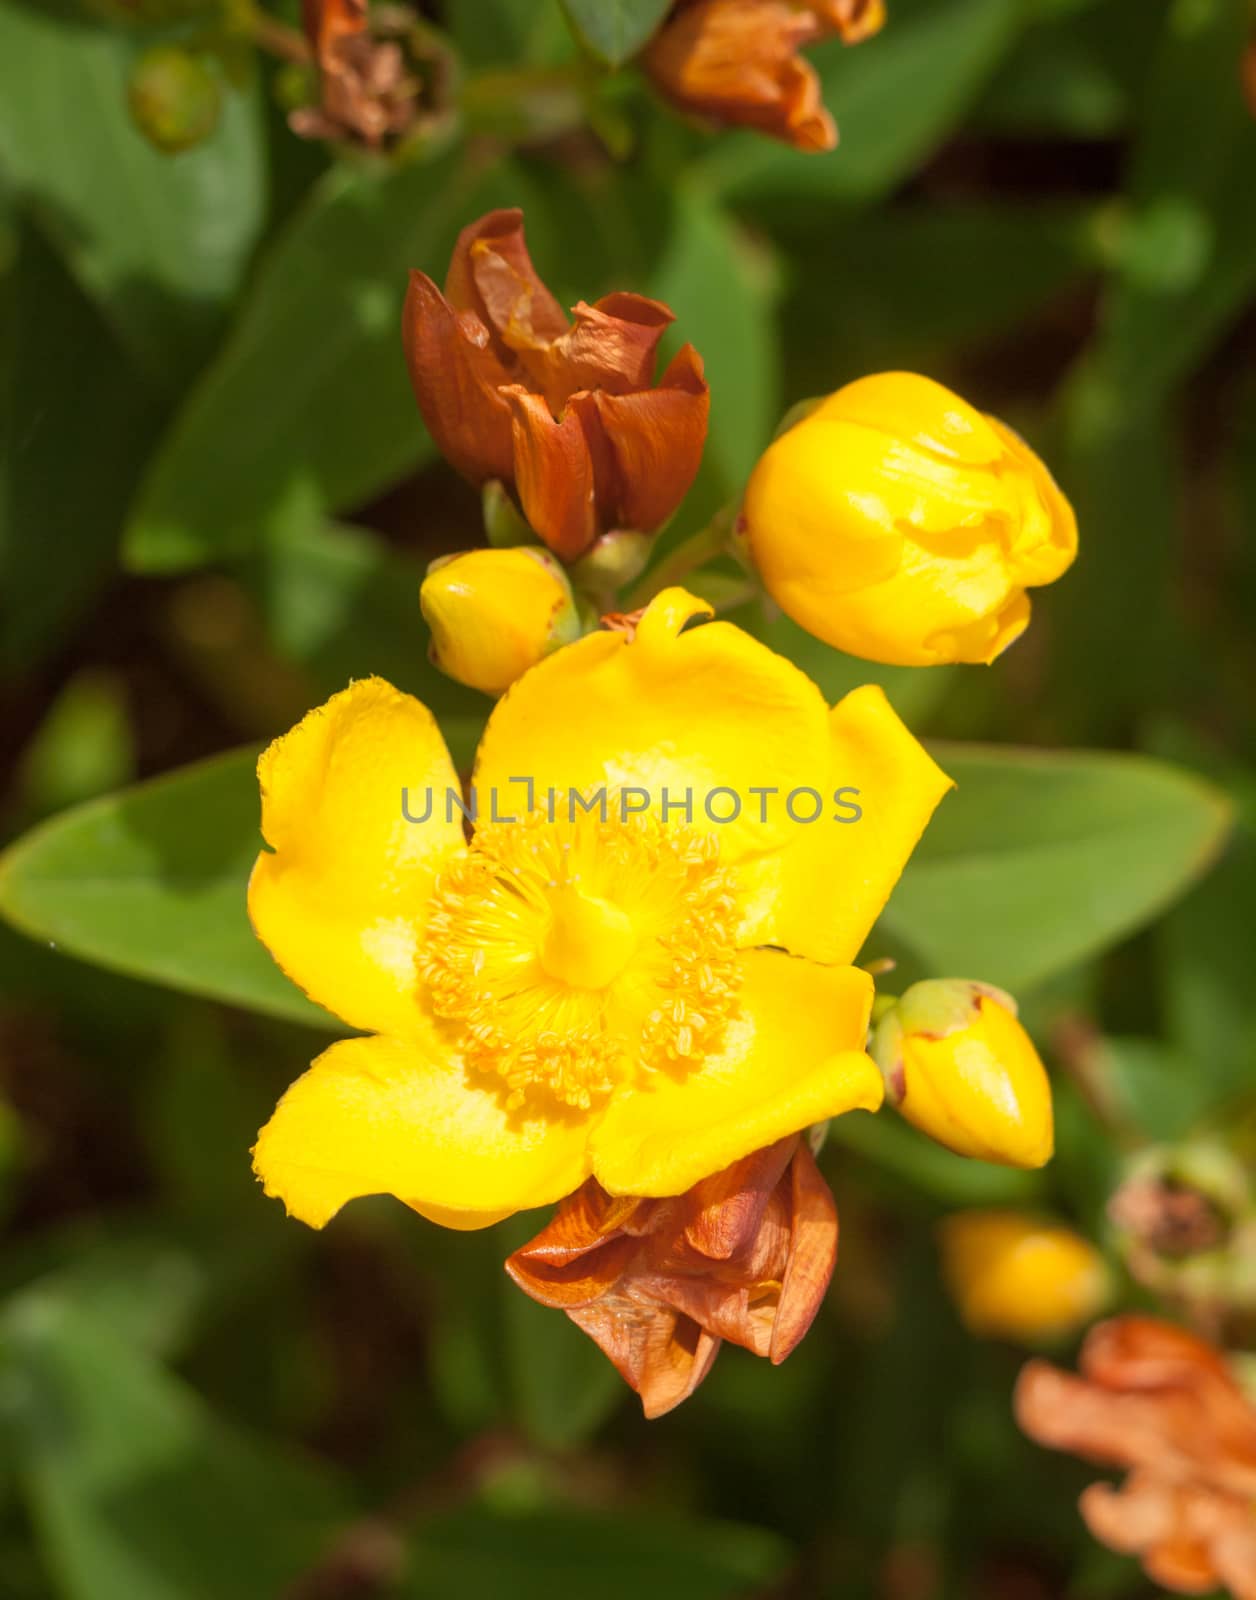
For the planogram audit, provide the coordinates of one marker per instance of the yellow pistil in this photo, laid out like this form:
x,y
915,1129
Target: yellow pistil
x,y
580,953
589,940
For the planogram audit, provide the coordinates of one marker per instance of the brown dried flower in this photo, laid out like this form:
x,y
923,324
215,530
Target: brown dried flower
x,y
737,61
745,1255
370,91
566,414
1162,1404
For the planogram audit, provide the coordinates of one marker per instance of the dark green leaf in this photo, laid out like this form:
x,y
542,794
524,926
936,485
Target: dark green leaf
x,y
1185,253
562,1386
614,30
906,282
343,604
617,1556
152,881
136,1491
894,97
78,422
308,408
720,285
160,241
1038,859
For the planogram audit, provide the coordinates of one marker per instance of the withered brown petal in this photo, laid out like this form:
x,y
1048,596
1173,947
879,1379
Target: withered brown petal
x,y
646,448
611,345
740,1313
1068,1413
457,382
491,273
722,1214
812,1254
553,474
737,61
660,1354
1135,1352
1133,1516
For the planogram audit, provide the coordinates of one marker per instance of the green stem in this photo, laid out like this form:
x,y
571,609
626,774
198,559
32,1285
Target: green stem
x,y
691,553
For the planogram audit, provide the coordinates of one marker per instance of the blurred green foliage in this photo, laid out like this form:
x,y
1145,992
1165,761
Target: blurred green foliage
x,y
216,501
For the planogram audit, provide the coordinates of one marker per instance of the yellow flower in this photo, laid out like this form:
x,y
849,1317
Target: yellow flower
x,y
959,1066
1015,1277
897,523
495,613
591,995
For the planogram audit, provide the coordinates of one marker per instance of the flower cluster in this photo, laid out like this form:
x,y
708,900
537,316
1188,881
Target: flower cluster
x,y
639,1011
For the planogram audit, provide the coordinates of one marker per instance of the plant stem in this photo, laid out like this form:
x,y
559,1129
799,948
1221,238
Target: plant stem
x,y
691,553
277,39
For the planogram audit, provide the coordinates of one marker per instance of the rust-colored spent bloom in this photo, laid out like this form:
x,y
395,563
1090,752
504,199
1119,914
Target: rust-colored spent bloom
x,y
737,61
1162,1404
745,1255
370,89
565,413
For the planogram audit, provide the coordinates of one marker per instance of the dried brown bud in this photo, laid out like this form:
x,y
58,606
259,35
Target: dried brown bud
x,y
382,77
737,61
567,414
745,1255
1163,1404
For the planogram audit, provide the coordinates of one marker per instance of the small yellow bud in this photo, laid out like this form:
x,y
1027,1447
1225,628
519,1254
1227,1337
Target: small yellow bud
x,y
899,524
959,1066
1017,1277
495,613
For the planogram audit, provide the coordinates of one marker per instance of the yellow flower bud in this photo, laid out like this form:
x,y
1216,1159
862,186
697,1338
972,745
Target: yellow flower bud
x,y
896,522
959,1066
495,613
1017,1277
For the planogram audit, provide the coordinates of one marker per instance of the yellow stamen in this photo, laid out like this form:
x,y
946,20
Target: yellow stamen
x,y
579,954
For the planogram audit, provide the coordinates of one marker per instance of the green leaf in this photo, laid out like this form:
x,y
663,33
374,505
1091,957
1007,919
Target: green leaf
x,y
895,97
1184,254
1116,660
135,1490
617,1556
721,287
308,405
614,30
151,882
1039,859
84,746
989,268
1076,72
344,604
72,396
160,242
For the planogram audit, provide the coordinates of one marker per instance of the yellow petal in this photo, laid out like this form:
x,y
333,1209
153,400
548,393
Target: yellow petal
x,y
386,1116
820,896
340,900
688,712
795,1056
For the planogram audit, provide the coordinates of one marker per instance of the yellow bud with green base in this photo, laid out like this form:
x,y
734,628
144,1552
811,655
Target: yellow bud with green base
x,y
495,613
959,1066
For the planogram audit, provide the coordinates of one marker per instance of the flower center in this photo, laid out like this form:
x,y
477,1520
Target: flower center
x,y
589,941
583,953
